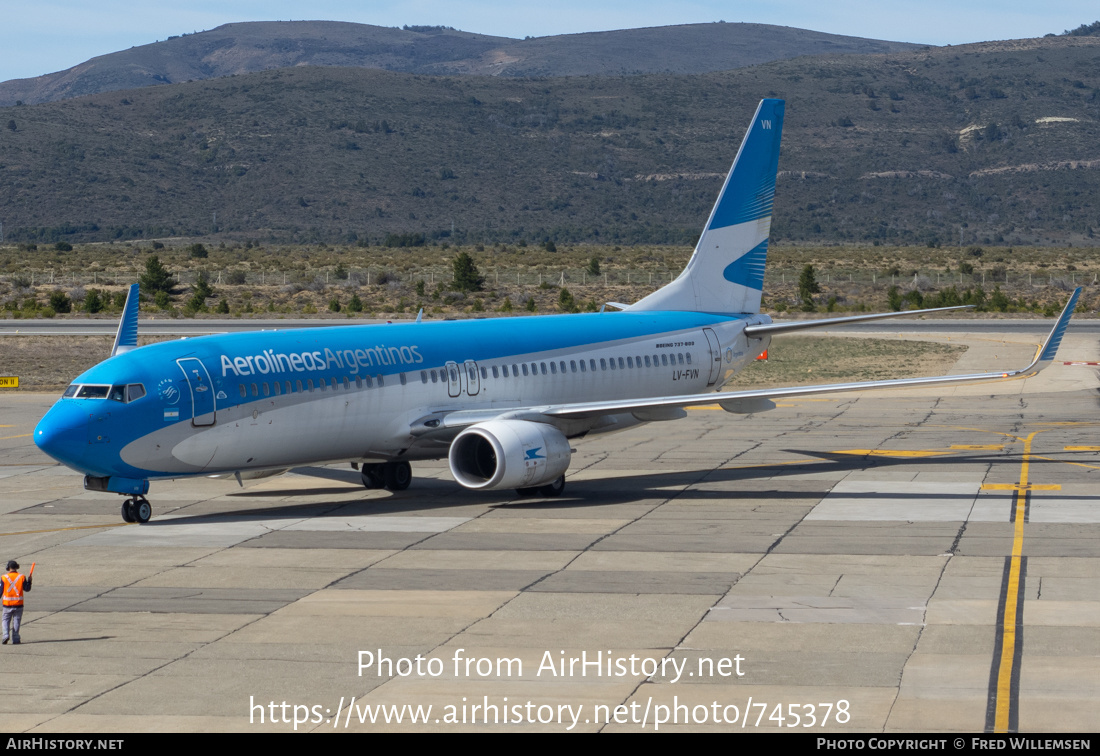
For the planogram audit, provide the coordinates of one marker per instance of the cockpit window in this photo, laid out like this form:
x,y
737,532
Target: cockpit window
x,y
121,393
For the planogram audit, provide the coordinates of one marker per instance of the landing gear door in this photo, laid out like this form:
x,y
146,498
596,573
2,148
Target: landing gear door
x,y
454,379
473,382
202,391
715,356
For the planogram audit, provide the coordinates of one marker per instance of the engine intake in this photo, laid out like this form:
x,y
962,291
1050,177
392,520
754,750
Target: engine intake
x,y
508,454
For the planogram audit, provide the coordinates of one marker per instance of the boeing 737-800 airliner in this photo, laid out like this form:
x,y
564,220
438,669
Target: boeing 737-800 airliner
x,y
500,398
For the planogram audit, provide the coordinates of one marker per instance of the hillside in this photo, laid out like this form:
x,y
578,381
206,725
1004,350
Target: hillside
x,y
261,46
990,143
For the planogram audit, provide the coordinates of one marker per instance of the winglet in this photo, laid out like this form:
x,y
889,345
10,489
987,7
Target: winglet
x,y
1049,348
420,315
126,338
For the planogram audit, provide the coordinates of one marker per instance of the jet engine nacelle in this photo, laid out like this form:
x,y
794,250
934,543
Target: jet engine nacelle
x,y
508,454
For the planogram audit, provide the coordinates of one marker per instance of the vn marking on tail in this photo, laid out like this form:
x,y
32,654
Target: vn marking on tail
x,y
766,124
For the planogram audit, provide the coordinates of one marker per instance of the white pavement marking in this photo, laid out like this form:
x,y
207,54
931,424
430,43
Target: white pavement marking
x,y
903,501
1067,509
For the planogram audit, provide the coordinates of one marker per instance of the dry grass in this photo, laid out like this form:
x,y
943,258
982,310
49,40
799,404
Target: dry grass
x,y
806,360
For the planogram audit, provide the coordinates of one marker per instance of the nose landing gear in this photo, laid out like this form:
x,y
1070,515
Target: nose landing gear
x,y
137,509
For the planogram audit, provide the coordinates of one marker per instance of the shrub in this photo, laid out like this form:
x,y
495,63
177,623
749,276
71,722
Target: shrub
x,y
60,302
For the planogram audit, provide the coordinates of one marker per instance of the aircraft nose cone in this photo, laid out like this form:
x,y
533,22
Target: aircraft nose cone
x,y
62,433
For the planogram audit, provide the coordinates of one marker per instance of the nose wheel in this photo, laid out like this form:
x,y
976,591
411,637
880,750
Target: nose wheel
x,y
137,509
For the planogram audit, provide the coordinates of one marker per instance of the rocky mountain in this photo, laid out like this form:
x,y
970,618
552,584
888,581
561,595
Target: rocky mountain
x,y
243,48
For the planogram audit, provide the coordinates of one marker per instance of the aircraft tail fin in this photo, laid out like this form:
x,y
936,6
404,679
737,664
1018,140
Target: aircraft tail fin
x,y
726,272
126,338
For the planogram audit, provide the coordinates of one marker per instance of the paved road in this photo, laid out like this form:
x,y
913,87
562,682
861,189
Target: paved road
x,y
854,551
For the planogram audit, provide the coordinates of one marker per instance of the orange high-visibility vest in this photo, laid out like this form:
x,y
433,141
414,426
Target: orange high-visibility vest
x,y
13,588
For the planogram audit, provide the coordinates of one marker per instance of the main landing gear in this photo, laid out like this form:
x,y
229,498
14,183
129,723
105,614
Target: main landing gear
x,y
137,509
550,490
395,476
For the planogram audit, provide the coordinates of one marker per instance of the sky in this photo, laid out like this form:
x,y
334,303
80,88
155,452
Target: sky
x,y
52,35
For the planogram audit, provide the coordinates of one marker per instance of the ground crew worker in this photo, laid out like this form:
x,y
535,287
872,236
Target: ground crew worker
x,y
14,585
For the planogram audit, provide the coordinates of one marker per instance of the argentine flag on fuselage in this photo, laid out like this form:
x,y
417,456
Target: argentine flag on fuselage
x,y
726,271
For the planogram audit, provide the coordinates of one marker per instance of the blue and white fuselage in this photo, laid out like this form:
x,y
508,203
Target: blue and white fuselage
x,y
500,399
274,399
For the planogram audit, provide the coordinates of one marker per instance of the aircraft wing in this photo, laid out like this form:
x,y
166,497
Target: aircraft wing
x,y
740,402
758,399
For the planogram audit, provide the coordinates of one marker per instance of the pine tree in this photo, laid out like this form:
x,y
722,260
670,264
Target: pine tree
x,y
466,274
807,287
156,277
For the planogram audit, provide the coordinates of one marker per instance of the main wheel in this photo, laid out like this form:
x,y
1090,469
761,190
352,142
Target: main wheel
x,y
398,475
373,476
554,488
128,510
143,510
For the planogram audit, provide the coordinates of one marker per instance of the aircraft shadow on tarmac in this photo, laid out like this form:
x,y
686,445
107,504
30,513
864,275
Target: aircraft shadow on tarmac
x,y
428,494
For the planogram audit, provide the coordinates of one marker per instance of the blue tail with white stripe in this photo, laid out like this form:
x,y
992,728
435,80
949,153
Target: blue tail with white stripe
x,y
726,271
